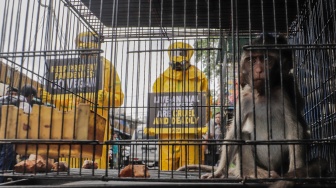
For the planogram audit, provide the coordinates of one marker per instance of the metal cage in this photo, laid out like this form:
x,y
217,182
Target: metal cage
x,y
94,65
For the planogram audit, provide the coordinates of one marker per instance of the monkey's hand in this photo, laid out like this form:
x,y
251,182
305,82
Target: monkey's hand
x,y
221,173
102,95
261,173
215,174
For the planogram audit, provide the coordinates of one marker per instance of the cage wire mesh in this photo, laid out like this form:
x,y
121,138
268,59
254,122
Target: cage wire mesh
x,y
106,67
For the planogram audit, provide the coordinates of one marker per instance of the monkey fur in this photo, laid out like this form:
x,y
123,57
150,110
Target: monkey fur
x,y
268,109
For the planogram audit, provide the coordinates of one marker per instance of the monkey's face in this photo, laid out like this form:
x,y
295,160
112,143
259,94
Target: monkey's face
x,y
257,68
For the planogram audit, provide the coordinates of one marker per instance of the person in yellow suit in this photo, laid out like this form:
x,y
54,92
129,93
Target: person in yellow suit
x,y
181,76
110,96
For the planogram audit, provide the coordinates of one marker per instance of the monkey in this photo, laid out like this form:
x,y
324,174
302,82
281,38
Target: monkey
x,y
269,108
315,168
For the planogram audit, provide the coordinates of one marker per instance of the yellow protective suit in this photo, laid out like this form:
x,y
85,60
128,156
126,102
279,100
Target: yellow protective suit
x,y
173,156
110,96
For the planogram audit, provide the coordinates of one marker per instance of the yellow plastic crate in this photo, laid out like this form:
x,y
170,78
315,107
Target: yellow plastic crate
x,y
47,123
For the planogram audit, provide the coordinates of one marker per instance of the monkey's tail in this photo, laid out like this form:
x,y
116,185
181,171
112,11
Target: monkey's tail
x,y
205,168
283,184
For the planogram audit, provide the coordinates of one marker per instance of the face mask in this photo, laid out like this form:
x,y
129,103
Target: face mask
x,y
179,66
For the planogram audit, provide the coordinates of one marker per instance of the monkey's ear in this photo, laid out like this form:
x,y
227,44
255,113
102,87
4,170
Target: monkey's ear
x,y
281,39
242,76
287,64
242,80
287,58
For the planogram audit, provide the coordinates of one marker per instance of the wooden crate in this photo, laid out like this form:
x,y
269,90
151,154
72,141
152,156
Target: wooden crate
x,y
47,123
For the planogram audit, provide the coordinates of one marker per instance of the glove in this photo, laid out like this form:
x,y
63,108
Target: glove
x,y
102,95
